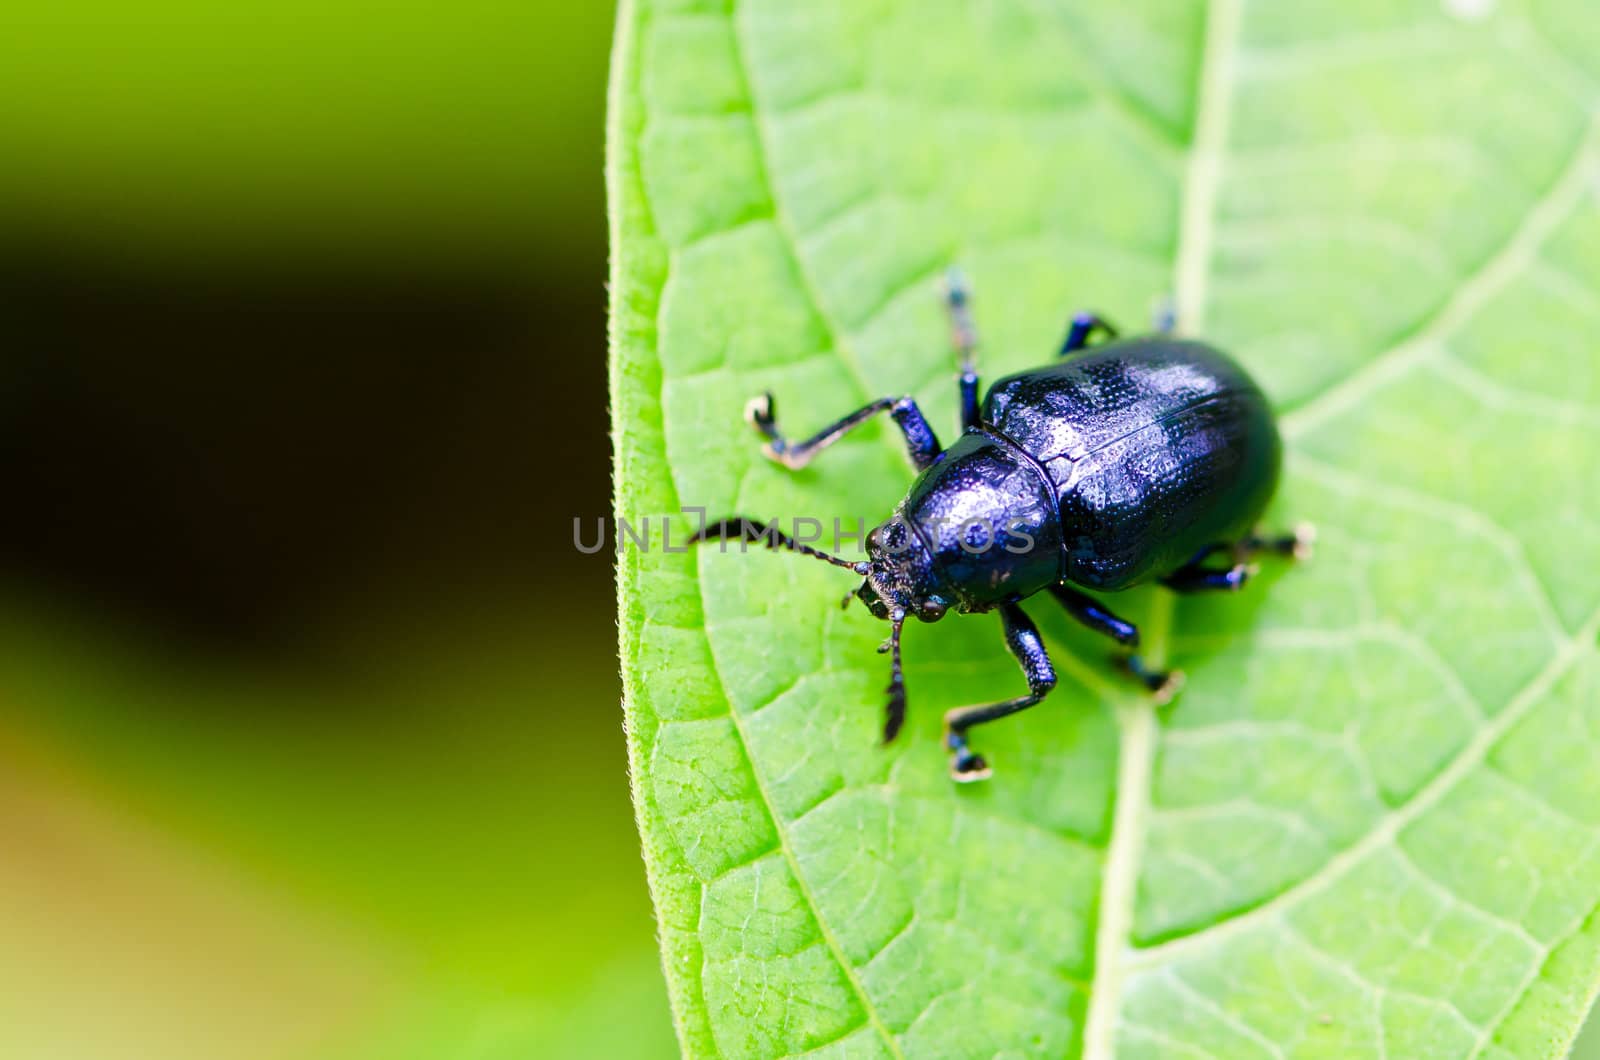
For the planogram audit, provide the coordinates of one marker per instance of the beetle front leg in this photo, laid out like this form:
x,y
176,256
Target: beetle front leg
x,y
921,443
1022,637
1163,684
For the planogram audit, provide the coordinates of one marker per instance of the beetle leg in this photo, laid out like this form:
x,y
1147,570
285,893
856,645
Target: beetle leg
x,y
1164,316
1240,551
1022,637
1296,545
921,443
1163,684
1083,326
964,337
1089,611
1195,579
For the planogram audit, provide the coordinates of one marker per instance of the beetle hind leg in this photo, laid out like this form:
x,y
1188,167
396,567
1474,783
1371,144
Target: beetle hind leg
x,y
1296,544
1194,577
1163,684
1197,579
1022,637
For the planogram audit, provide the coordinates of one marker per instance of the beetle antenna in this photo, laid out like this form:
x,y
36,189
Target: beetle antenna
x,y
741,528
895,709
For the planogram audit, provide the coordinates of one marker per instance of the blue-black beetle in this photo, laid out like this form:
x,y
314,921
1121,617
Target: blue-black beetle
x,y
1124,462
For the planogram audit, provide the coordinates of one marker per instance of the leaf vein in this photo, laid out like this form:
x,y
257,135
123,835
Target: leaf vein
x,y
1389,826
1571,185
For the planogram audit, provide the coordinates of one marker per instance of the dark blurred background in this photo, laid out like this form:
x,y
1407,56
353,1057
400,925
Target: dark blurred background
x,y
310,741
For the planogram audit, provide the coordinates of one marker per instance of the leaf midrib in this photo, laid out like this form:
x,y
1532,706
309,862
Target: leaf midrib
x,y
1136,723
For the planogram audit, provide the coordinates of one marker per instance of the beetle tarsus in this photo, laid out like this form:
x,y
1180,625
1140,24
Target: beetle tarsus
x,y
1171,684
965,769
1296,545
1162,685
760,412
1303,541
1164,315
957,298
965,766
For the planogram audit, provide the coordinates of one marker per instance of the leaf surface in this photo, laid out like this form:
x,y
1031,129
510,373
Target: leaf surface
x,y
1371,823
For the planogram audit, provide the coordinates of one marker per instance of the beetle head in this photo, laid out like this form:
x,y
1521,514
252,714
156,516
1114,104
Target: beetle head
x,y
900,575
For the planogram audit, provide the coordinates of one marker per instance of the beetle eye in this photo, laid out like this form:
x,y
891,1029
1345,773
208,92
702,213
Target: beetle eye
x,y
932,609
891,538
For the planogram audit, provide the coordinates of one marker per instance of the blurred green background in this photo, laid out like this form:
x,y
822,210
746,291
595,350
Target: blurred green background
x,y
309,735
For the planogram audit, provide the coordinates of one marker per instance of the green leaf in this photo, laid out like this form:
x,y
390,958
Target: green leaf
x,y
1371,824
